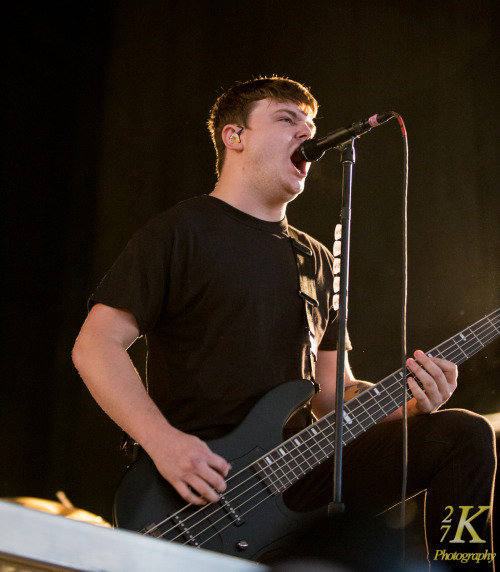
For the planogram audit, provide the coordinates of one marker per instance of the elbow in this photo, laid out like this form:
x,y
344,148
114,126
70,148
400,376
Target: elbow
x,y
79,353
76,355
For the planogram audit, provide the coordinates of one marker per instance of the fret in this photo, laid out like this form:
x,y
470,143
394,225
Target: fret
x,y
283,466
478,340
386,402
367,414
308,457
272,475
316,451
290,461
324,425
367,409
294,469
282,469
303,462
376,404
444,350
352,434
376,409
347,430
497,328
362,417
399,374
437,353
460,349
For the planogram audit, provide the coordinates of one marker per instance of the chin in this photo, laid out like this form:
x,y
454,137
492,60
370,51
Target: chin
x,y
294,192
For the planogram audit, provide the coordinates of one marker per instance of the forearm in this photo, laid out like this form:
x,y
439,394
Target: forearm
x,y
356,387
353,388
324,402
100,355
437,381
111,378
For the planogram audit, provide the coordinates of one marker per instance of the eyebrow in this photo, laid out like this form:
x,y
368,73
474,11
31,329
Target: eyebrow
x,y
297,117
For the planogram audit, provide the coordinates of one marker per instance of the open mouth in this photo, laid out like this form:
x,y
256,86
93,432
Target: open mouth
x,y
299,162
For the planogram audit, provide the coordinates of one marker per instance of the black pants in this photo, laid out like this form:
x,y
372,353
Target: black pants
x,y
451,456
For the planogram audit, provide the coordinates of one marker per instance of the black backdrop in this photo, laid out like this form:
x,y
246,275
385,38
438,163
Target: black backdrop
x,y
105,114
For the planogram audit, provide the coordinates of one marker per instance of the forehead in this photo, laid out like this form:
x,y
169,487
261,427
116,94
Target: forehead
x,y
269,108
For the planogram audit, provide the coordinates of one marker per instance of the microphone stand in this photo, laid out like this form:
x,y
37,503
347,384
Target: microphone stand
x,y
347,159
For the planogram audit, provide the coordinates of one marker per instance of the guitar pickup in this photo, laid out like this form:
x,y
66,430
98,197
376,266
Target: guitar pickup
x,y
232,513
155,531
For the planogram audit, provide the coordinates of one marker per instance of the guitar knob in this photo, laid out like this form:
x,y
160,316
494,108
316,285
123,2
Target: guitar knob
x,y
242,545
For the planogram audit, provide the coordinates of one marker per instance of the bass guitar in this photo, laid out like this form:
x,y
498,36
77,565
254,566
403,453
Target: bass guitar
x,y
251,519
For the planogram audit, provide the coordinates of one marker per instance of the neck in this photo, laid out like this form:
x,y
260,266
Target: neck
x,y
249,201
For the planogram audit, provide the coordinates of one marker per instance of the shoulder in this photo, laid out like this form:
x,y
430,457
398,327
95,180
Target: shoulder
x,y
185,215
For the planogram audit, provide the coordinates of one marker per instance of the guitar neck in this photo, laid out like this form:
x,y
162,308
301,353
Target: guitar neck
x,y
457,349
286,464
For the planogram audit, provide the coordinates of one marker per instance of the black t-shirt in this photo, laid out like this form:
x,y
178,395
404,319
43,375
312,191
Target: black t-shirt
x,y
215,292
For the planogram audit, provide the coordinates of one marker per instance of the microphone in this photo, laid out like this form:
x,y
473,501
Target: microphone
x,y
314,149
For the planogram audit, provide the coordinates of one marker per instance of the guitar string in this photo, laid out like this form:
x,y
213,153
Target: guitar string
x,y
289,454
310,467
251,508
280,468
310,463
280,479
252,476
282,458
229,524
211,525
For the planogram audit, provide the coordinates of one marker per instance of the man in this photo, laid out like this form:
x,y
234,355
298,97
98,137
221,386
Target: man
x,y
213,285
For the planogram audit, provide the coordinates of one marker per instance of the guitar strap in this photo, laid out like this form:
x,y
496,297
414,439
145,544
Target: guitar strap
x,y
307,291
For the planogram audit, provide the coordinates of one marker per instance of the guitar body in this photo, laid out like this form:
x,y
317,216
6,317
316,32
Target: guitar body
x,y
249,520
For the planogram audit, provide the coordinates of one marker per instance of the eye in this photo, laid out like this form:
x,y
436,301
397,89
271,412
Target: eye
x,y
287,119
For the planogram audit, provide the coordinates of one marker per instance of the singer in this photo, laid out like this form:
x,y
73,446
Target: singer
x,y
212,283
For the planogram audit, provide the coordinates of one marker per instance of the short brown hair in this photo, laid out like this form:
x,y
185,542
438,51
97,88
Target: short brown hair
x,y
235,105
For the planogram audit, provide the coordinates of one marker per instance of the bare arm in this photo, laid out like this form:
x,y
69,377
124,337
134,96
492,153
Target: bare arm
x,y
438,377
100,355
326,375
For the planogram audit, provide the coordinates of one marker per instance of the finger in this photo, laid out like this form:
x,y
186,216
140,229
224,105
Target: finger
x,y
204,489
189,495
448,368
219,464
443,372
426,379
423,403
214,479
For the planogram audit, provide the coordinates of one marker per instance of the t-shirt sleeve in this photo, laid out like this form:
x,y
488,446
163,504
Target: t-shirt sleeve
x,y
330,337
137,280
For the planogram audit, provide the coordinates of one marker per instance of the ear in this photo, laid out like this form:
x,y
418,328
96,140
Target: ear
x,y
231,137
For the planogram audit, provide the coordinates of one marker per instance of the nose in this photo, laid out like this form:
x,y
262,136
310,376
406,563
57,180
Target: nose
x,y
304,131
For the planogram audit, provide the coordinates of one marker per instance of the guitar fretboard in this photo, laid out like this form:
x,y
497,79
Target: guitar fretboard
x,y
289,462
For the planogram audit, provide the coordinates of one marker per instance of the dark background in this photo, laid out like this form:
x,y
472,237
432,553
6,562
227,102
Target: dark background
x,y
105,105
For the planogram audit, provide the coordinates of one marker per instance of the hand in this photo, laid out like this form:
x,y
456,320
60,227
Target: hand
x,y
439,379
189,465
